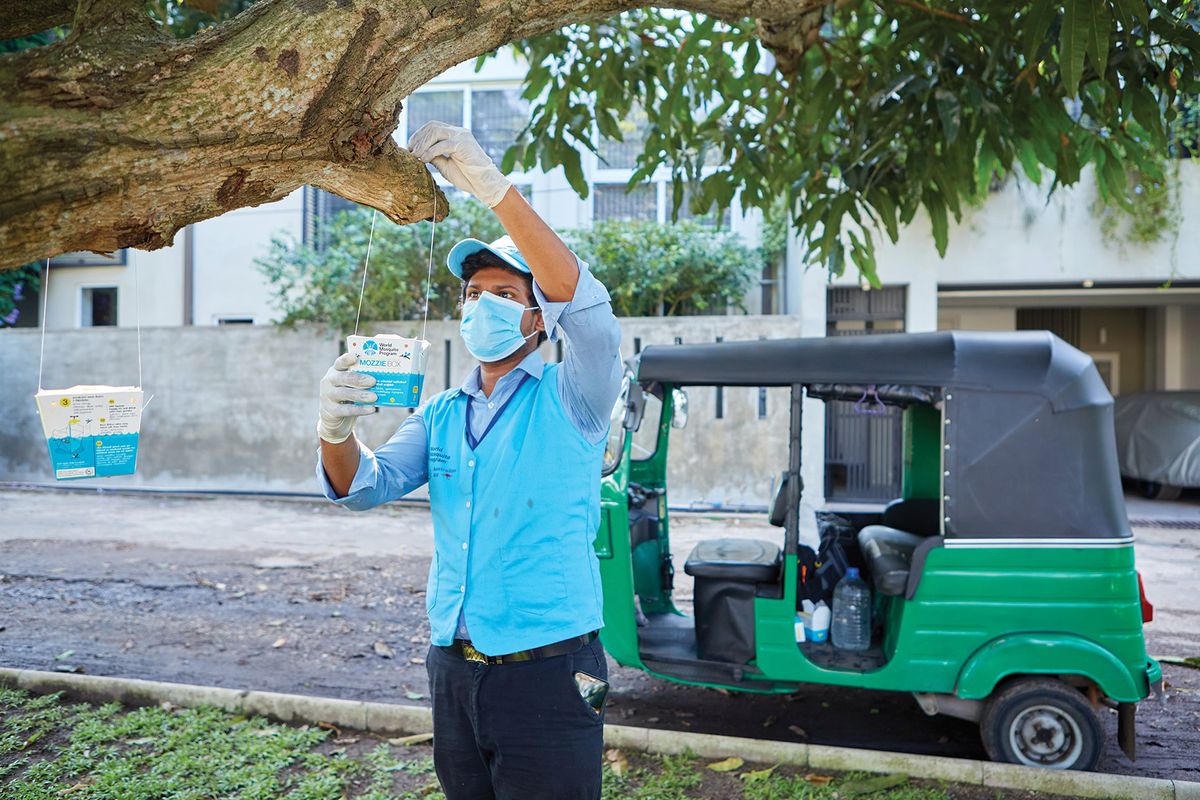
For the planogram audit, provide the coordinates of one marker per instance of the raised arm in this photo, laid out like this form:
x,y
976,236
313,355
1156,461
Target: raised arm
x,y
464,163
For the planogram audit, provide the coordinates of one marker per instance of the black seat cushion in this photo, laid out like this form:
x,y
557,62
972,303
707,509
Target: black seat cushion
x,y
735,560
916,515
888,554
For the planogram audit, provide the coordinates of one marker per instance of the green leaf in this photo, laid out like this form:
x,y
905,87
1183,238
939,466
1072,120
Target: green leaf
x,y
1099,34
938,221
1029,162
949,112
727,765
1132,11
1072,43
1035,26
871,785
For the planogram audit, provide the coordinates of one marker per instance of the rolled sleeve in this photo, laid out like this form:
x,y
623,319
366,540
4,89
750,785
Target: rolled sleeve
x,y
386,474
588,292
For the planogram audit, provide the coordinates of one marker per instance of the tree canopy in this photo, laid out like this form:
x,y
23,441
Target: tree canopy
x,y
860,112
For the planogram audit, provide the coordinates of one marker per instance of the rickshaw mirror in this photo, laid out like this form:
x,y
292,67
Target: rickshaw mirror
x,y
635,407
679,408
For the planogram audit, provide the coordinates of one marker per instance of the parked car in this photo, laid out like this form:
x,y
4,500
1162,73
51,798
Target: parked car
x,y
1158,441
1003,578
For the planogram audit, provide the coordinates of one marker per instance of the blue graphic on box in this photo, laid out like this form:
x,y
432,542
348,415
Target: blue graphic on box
x,y
398,389
93,456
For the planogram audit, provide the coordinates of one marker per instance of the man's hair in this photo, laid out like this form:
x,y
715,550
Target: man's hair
x,y
482,259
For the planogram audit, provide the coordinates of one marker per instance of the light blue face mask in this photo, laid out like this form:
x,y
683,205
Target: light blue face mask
x,y
491,326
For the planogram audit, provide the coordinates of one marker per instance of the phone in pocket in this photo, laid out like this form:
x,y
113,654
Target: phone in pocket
x,y
592,690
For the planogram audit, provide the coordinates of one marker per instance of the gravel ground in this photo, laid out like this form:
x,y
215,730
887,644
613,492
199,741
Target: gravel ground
x,y
293,596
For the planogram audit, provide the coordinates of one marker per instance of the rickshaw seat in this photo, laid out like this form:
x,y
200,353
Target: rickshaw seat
x,y
752,560
728,574
888,554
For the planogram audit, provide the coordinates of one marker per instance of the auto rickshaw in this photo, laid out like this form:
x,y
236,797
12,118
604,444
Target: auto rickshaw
x,y
1003,583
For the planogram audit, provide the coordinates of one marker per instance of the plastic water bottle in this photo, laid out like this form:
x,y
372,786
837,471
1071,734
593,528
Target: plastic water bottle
x,y
851,628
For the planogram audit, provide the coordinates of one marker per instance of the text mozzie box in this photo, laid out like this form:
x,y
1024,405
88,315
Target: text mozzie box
x,y
396,363
91,431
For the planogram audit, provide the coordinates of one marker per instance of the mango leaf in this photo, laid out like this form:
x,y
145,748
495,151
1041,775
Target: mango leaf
x,y
871,785
1072,43
937,219
1132,11
728,765
1036,26
949,112
757,774
1099,33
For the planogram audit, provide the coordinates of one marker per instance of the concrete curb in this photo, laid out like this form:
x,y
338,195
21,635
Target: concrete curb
x,y
392,720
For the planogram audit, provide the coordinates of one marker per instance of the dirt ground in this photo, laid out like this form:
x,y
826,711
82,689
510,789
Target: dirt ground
x,y
296,596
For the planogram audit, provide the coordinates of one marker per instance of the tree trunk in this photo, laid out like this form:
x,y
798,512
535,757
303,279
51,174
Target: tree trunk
x,y
120,135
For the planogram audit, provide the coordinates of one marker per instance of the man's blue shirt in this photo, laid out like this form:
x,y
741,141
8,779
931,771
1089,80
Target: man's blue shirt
x,y
588,383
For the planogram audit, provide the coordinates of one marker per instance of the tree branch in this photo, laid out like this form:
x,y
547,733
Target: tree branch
x,y
119,135
25,17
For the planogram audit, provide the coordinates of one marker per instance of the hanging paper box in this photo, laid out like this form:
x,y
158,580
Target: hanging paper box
x,y
91,431
397,363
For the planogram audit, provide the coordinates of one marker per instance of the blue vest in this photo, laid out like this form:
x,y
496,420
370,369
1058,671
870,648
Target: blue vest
x,y
514,520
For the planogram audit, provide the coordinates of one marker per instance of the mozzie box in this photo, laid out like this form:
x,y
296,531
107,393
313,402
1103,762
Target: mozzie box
x,y
397,364
91,431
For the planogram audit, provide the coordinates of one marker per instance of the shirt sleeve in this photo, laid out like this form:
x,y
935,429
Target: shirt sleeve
x,y
590,378
388,473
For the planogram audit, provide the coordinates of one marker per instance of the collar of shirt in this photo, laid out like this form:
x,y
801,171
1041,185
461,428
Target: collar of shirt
x,y
533,364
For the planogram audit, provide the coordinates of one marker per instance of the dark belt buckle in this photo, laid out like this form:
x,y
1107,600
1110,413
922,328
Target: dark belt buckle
x,y
471,654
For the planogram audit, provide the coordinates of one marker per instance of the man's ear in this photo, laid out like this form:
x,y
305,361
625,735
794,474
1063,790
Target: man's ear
x,y
539,324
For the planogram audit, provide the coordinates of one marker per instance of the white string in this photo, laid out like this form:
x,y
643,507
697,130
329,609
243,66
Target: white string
x,y
45,306
137,315
429,272
366,263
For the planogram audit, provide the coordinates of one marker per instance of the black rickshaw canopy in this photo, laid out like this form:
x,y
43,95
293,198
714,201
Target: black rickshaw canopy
x,y
1029,445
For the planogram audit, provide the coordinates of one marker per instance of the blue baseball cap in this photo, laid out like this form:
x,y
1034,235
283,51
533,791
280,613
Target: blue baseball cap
x,y
503,248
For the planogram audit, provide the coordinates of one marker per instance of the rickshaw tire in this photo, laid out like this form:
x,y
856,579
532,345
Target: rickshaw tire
x,y
1019,696
1153,490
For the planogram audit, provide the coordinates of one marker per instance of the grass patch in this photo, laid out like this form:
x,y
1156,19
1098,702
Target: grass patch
x,y
51,749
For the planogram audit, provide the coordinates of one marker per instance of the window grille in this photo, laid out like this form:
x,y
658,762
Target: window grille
x,y
613,202
443,106
497,116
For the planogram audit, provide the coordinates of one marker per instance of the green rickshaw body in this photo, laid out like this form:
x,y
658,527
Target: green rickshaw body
x,y
1028,569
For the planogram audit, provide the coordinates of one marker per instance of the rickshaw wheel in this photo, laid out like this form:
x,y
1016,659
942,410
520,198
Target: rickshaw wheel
x,y
1153,490
1042,722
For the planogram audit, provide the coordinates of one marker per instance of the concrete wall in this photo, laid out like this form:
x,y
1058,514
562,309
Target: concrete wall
x,y
235,407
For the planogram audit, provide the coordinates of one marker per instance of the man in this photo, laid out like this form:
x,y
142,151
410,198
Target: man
x,y
512,459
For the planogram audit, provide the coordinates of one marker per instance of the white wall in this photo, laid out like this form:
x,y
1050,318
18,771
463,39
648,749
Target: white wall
x,y
1016,236
159,273
951,318
226,283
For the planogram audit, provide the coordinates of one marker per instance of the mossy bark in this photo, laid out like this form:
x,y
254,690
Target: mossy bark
x,y
120,135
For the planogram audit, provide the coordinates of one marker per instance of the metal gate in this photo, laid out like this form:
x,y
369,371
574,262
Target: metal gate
x,y
863,452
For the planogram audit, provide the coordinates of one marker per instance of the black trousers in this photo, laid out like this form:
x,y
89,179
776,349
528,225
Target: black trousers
x,y
516,731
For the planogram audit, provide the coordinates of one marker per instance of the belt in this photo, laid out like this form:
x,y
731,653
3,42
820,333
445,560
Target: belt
x,y
465,650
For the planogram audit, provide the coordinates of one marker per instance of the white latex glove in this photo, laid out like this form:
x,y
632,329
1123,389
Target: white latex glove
x,y
340,390
461,160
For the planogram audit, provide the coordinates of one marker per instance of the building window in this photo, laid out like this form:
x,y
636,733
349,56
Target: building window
x,y
443,106
319,208
612,201
623,154
497,116
235,320
98,306
86,259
